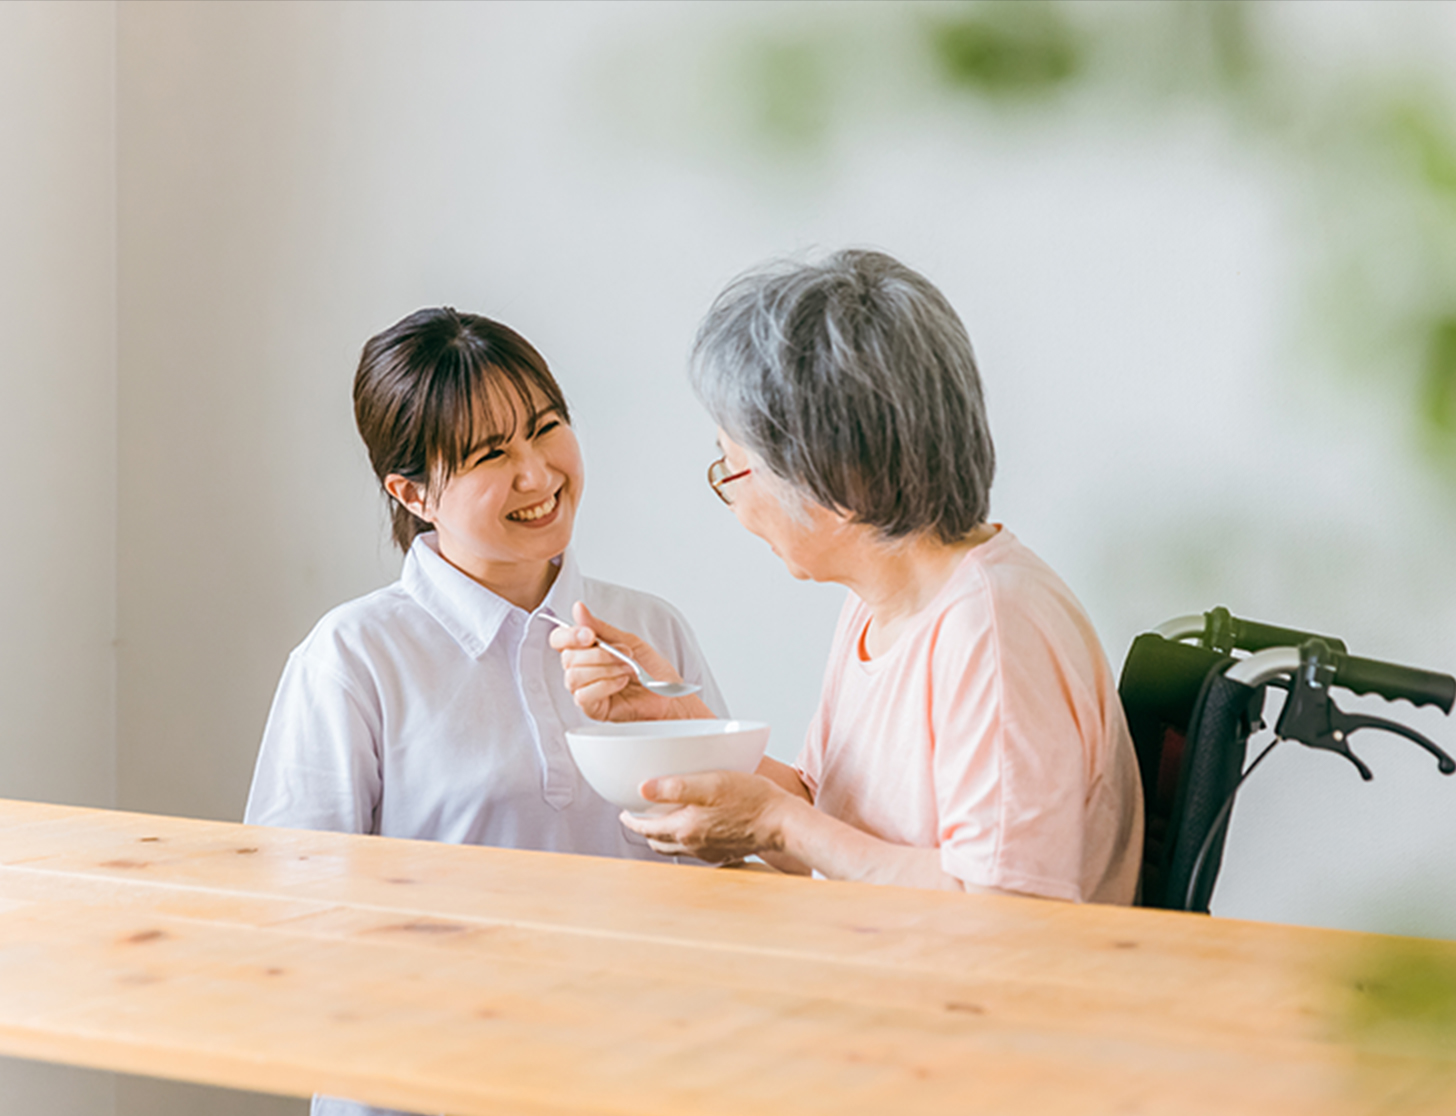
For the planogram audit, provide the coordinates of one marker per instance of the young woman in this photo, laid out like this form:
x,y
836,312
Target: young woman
x,y
434,708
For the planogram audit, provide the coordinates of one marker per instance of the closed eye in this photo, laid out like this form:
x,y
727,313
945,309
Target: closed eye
x,y
547,425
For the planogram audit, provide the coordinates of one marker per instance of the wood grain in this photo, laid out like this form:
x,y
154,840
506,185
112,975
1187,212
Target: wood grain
x,y
484,981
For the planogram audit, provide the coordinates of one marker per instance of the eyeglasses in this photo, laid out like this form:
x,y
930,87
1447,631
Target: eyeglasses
x,y
718,476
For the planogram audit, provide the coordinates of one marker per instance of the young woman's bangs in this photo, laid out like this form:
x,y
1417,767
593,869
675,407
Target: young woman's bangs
x,y
474,406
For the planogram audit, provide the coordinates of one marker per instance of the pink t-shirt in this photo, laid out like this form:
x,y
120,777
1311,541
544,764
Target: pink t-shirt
x,y
991,729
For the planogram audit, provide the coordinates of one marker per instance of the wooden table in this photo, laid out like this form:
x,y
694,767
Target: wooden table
x,y
483,981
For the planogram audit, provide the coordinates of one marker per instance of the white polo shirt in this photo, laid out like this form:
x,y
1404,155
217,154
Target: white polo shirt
x,y
435,709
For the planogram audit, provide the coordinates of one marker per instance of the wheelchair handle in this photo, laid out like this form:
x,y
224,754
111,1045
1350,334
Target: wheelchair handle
x,y
1218,630
1370,676
1253,636
1363,676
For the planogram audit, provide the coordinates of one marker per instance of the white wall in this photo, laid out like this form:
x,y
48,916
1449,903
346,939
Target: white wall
x,y
290,178
57,427
58,402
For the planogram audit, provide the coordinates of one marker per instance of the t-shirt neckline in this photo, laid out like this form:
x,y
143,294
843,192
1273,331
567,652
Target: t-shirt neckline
x,y
926,614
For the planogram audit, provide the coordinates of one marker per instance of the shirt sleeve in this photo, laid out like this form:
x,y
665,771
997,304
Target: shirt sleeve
x,y
667,630
1008,758
809,764
318,766
690,663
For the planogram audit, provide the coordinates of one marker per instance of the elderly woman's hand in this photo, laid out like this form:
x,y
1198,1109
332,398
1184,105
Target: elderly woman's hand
x,y
721,815
604,687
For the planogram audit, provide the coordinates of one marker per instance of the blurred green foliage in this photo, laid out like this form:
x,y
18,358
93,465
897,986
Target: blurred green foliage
x,y
1006,47
793,94
1404,998
1424,130
1372,153
1230,38
1439,382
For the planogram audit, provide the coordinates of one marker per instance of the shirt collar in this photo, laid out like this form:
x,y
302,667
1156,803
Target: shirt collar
x,y
470,612
568,588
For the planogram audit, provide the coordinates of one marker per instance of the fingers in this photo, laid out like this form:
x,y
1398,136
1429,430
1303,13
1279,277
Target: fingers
x,y
592,675
687,831
589,621
599,700
586,633
591,665
649,827
685,790
567,639
590,632
627,642
661,831
605,687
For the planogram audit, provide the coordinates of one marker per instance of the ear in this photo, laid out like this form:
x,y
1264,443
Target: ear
x,y
408,494
834,519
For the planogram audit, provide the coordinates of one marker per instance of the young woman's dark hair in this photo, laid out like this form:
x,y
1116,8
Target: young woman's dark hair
x,y
427,385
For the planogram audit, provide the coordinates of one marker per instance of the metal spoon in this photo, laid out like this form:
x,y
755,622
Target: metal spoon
x,y
666,689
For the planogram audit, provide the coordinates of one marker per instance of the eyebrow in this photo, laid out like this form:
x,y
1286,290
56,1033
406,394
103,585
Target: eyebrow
x,y
494,441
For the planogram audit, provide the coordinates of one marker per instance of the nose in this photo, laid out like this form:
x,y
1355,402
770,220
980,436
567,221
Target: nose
x,y
533,472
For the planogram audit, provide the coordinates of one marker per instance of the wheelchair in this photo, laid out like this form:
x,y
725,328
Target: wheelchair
x,y
1194,690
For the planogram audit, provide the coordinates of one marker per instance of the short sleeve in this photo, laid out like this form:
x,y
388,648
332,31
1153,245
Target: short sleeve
x,y
318,766
689,661
809,764
1008,762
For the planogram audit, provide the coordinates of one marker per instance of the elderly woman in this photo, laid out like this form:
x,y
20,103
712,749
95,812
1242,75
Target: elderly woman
x,y
969,734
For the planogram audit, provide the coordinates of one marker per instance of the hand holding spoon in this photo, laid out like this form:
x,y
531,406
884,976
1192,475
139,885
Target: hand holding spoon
x,y
666,689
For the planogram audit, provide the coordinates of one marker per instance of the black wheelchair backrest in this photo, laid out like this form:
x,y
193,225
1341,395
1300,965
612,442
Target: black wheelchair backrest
x,y
1191,708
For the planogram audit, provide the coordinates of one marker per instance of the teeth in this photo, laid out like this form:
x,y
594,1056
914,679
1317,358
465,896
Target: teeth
x,y
525,515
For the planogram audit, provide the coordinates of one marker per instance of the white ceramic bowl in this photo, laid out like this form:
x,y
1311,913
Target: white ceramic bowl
x,y
617,758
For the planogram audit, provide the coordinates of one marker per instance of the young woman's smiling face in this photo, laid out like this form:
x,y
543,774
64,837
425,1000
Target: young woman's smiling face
x,y
509,508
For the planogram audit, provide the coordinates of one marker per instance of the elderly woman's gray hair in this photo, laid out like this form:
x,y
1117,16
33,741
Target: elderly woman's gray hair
x,y
854,381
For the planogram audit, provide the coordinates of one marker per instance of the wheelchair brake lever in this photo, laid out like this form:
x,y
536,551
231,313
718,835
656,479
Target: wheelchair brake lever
x,y
1311,716
1349,722
1332,741
1309,712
